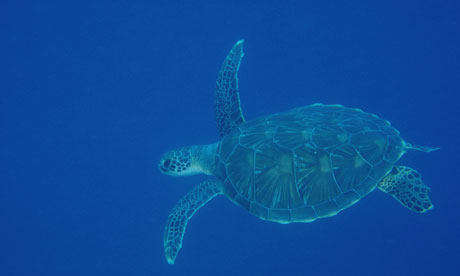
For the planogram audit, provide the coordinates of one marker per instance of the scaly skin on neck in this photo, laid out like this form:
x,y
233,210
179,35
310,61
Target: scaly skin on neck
x,y
189,160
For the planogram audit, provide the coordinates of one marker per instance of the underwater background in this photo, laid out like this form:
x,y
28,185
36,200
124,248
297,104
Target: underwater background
x,y
92,93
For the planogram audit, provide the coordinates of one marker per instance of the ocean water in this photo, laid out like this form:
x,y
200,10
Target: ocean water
x,y
94,92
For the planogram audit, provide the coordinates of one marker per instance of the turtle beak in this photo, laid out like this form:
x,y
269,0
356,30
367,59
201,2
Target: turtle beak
x,y
164,165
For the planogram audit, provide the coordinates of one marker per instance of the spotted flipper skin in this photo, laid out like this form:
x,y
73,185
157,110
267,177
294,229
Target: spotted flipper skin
x,y
406,186
228,108
183,211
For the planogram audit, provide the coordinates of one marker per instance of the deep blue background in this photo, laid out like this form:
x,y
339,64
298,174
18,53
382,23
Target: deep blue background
x,y
91,95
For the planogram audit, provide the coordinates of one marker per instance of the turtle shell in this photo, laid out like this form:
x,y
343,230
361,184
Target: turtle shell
x,y
306,163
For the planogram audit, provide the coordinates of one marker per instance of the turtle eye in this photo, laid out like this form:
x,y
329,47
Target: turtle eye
x,y
167,163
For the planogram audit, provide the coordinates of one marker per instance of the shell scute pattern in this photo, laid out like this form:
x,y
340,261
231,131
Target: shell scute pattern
x,y
288,135
308,162
258,210
274,179
395,148
346,199
327,209
242,177
255,135
304,214
365,187
344,160
227,145
327,136
371,145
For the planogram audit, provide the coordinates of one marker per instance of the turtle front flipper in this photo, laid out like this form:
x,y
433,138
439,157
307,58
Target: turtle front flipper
x,y
406,186
228,109
183,211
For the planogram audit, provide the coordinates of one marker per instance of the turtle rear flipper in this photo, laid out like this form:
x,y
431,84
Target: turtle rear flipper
x,y
406,186
419,148
183,211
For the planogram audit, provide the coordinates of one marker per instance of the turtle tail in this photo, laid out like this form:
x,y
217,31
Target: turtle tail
x,y
409,146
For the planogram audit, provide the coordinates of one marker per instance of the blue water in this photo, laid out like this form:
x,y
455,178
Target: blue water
x,y
92,93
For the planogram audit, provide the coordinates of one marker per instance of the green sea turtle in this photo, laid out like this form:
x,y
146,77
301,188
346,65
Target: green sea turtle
x,y
296,166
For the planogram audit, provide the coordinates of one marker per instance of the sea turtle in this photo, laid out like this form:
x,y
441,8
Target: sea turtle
x,y
295,166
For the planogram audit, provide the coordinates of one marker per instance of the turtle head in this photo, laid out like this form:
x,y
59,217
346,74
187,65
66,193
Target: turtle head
x,y
188,160
179,162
